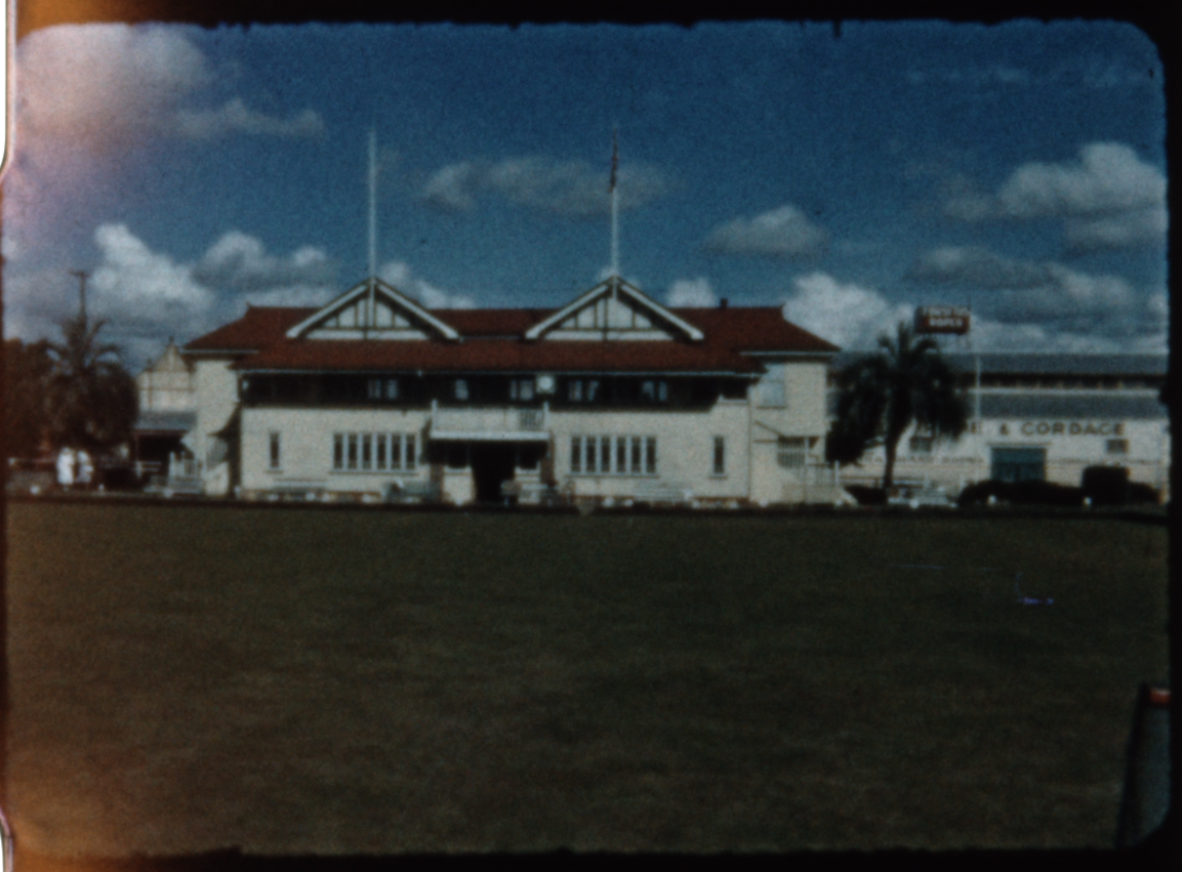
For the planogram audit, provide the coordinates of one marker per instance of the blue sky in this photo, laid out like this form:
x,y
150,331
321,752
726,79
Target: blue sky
x,y
847,178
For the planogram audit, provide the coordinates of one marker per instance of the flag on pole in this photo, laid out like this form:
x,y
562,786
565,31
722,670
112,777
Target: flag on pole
x,y
615,161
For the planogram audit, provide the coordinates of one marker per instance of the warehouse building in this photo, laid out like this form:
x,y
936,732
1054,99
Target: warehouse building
x,y
1040,416
612,399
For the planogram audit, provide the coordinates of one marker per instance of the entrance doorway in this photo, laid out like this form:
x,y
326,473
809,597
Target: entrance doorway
x,y
1019,464
492,464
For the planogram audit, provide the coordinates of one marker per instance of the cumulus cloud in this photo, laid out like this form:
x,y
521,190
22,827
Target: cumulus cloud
x,y
1108,198
398,273
1125,230
141,288
1048,291
99,85
691,292
148,295
240,262
1001,336
234,116
782,232
847,315
977,267
1078,313
572,188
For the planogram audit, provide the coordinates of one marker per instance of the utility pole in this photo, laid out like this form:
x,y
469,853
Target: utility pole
x,y
82,276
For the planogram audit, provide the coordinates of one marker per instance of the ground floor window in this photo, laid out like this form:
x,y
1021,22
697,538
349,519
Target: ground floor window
x,y
276,456
613,455
790,452
1117,446
719,455
374,451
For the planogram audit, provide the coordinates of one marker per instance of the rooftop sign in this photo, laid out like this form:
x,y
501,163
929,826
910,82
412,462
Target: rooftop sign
x,y
942,319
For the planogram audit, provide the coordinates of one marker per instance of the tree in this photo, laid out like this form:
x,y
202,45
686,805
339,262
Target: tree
x,y
881,395
91,399
27,369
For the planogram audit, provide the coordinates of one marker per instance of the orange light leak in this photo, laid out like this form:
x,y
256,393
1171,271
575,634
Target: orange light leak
x,y
7,20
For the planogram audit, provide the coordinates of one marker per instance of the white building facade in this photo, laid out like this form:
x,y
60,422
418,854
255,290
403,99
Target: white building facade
x,y
610,399
1041,416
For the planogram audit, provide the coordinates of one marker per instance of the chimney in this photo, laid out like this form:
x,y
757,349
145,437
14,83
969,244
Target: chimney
x,y
722,303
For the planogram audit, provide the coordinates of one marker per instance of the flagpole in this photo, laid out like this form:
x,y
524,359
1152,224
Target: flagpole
x,y
373,221
615,215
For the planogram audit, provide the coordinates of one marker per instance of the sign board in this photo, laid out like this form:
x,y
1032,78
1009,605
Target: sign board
x,y
942,319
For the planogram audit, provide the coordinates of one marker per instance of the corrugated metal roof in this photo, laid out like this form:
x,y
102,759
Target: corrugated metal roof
x,y
1064,364
1046,405
1106,405
1033,365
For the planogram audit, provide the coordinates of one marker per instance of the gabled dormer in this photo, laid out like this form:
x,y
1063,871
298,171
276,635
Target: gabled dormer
x,y
614,310
373,310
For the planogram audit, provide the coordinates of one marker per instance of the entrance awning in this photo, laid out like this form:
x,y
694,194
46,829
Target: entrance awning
x,y
488,436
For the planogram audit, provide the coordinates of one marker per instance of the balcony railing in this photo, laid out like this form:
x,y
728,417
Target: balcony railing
x,y
489,422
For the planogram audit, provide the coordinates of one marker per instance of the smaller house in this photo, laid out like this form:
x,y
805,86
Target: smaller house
x,y
168,410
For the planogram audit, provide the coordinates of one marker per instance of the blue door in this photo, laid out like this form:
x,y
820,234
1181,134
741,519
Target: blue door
x,y
1018,464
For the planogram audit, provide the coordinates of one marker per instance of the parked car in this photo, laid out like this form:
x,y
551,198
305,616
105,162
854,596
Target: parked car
x,y
916,494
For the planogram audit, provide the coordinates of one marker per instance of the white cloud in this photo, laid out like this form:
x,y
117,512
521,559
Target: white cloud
x,y
234,116
398,273
99,85
1089,314
1125,230
977,267
453,188
997,336
572,188
1109,177
240,262
1109,198
691,292
147,296
782,232
141,288
98,82
1048,290
847,315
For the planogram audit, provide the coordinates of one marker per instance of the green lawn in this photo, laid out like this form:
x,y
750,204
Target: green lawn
x,y
186,679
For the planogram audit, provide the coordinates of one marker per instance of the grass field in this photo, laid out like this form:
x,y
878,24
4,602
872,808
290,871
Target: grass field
x,y
187,679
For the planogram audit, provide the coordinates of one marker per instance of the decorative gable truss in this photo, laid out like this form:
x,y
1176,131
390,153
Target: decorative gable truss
x,y
615,309
372,310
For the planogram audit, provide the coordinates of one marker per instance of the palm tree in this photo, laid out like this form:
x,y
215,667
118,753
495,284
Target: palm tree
x,y
881,395
26,369
91,399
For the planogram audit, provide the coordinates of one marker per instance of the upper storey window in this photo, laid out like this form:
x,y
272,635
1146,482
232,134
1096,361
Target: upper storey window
x,y
521,389
580,390
653,391
771,387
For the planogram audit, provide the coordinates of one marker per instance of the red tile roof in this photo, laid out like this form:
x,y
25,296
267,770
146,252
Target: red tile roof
x,y
492,343
258,328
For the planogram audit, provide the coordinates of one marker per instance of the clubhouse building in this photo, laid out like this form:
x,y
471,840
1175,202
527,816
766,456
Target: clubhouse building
x,y
610,399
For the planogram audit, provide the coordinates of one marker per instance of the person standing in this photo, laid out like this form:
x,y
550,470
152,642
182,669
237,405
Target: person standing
x,y
65,468
85,469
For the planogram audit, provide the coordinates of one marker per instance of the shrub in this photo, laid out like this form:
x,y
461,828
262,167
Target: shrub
x,y
1143,493
867,496
1106,485
1030,492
